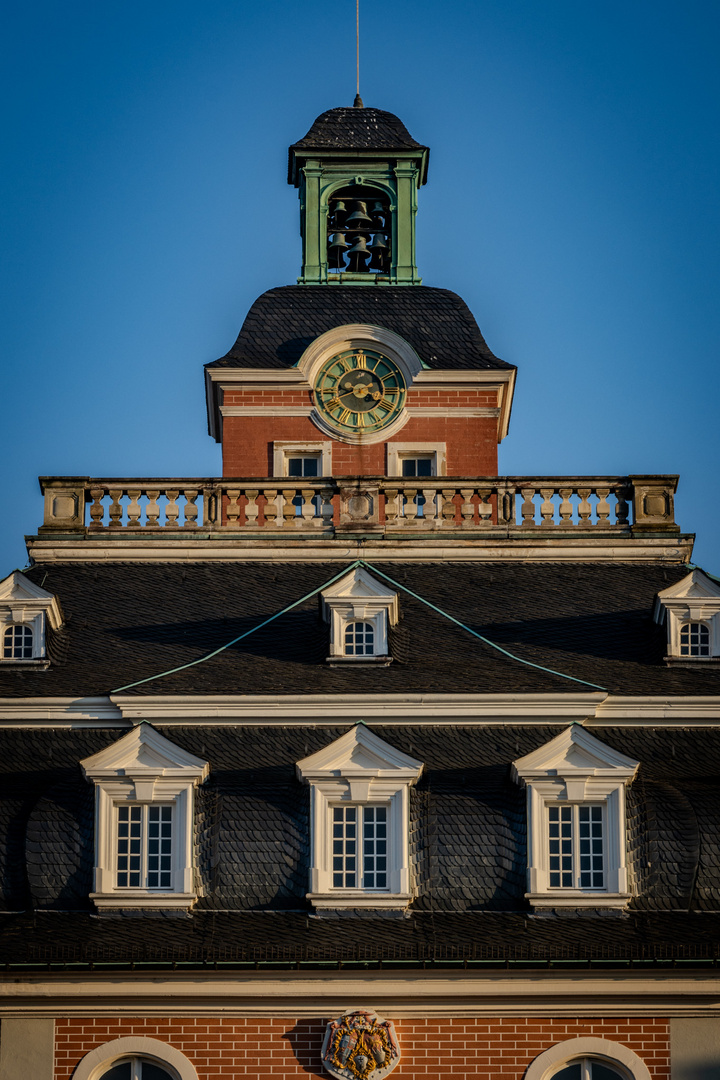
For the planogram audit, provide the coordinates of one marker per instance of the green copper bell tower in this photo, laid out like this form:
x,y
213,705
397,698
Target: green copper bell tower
x,y
358,172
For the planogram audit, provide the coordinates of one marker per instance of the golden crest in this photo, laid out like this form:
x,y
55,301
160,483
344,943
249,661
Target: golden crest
x,y
360,1045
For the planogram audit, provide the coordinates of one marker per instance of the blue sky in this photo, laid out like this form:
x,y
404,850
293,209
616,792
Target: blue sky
x,y
572,202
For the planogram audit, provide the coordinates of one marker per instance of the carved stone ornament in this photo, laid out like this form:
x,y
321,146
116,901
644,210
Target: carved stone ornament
x,y
359,1046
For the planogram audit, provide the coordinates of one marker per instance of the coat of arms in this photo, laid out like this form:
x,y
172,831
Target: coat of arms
x,y
359,1046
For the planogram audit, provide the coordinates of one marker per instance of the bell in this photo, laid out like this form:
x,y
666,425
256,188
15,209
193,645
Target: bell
x,y
359,218
378,215
358,254
339,210
379,249
336,251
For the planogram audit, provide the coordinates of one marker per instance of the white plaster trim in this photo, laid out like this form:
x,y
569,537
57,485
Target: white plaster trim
x,y
266,410
449,412
545,1064
396,451
359,597
430,378
285,448
359,336
272,376
417,994
161,1053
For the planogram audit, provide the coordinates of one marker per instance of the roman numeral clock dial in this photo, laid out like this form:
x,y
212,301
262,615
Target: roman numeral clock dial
x,y
360,390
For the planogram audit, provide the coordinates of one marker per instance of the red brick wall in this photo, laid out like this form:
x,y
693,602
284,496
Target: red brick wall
x,y
471,444
227,1049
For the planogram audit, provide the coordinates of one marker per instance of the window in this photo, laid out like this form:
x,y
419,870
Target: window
x,y
359,799
587,1069
690,610
308,465
359,847
416,459
359,609
136,1069
418,466
25,612
694,639
302,459
587,1058
18,642
144,821
576,821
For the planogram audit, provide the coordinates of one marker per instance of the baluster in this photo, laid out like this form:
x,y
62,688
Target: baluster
x,y
410,507
449,509
528,507
584,509
547,510
152,510
622,508
392,508
485,507
307,510
211,500
134,509
172,510
252,510
505,505
271,507
468,507
603,507
566,509
191,510
232,510
430,508
288,507
327,510
115,510
97,510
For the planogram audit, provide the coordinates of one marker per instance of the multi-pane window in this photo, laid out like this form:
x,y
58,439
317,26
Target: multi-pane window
x,y
576,847
359,847
303,465
359,639
135,1069
587,1069
418,466
18,642
694,639
144,846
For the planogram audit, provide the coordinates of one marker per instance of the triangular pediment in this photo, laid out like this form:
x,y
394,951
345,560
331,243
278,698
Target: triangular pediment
x,y
695,584
143,752
574,752
359,587
19,593
359,753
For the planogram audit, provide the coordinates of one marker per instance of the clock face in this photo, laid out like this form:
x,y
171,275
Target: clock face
x,y
360,390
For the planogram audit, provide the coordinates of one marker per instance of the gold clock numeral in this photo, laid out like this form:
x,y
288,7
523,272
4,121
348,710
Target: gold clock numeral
x,y
344,416
385,404
345,365
361,360
334,403
361,419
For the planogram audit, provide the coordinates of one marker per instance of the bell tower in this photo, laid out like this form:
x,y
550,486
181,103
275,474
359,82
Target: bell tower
x,y
358,172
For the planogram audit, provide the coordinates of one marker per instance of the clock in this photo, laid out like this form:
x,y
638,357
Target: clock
x,y
360,390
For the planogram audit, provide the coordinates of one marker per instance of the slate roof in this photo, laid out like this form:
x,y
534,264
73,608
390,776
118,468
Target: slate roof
x,y
468,839
357,129
129,621
284,321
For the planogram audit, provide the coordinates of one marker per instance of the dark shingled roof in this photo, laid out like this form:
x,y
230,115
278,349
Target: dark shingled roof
x,y
128,621
284,321
468,842
357,129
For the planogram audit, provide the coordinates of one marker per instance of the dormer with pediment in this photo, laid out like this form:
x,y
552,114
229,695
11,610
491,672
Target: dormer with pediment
x,y
360,609
690,610
26,610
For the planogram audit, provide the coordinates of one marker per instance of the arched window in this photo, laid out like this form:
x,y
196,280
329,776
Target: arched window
x,y
136,1069
18,642
694,639
359,639
588,1069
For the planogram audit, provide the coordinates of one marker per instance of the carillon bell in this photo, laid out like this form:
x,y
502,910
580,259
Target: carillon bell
x,y
336,251
358,254
339,210
379,249
359,218
378,214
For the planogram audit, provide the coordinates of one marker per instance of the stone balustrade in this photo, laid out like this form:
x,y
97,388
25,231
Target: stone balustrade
x,y
337,505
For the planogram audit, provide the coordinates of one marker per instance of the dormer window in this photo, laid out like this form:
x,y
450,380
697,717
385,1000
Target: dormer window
x,y
576,821
18,642
690,610
359,609
359,814
26,610
144,821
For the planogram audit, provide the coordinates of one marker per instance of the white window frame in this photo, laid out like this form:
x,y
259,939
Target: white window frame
x,y
576,768
359,769
144,767
98,1061
606,1052
359,597
23,603
398,451
696,598
284,450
